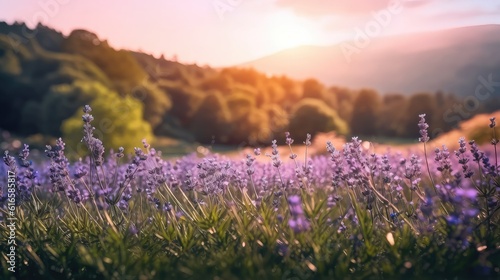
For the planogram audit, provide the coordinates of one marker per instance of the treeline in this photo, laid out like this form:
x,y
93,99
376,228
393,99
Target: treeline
x,y
46,78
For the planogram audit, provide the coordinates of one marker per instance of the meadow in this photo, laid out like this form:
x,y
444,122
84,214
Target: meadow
x,y
347,214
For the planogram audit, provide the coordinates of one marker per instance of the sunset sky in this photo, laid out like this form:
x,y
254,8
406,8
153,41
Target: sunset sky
x,y
227,32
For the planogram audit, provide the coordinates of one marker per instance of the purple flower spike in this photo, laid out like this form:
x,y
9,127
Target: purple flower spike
x,y
492,122
466,193
298,222
294,200
289,141
423,126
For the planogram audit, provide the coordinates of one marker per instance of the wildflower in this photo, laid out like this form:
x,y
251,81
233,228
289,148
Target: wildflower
x,y
167,207
443,159
24,155
476,153
298,222
59,166
490,169
308,140
288,140
423,126
275,155
140,154
123,205
386,168
468,193
94,145
145,144
10,161
120,152
462,159
426,207
413,169
274,147
75,195
80,172
132,229
492,122
249,162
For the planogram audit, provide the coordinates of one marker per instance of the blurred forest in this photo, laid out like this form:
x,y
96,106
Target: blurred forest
x,y
47,77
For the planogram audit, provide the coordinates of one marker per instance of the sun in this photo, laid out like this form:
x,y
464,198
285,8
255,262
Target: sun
x,y
288,31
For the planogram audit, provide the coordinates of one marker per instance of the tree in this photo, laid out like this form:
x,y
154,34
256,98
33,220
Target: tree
x,y
119,65
249,124
118,122
420,103
278,122
186,100
30,117
313,116
247,76
390,115
217,82
344,101
156,102
212,120
364,115
63,101
313,89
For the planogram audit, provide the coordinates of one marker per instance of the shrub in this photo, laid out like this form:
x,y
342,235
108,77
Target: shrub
x,y
212,121
120,123
313,116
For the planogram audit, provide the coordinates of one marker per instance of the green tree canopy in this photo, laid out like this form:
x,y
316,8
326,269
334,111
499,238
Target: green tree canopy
x,y
156,102
248,123
119,65
313,116
118,122
62,102
313,89
364,114
420,103
212,120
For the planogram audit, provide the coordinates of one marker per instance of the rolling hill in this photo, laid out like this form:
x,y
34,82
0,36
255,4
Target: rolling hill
x,y
448,60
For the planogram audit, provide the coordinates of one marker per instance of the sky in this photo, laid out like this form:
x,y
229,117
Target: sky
x,y
229,32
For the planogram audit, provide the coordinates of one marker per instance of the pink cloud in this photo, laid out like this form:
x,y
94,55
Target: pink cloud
x,y
342,7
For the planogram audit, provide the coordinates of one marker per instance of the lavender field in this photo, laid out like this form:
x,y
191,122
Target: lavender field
x,y
347,214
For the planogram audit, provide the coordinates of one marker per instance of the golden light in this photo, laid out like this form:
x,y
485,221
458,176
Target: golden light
x,y
287,31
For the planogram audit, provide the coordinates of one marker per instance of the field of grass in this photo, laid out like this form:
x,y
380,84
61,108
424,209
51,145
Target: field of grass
x,y
347,214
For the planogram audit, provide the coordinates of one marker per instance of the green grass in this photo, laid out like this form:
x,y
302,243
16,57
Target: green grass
x,y
229,238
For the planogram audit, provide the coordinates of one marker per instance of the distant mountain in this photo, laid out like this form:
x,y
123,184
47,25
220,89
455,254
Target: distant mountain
x,y
448,60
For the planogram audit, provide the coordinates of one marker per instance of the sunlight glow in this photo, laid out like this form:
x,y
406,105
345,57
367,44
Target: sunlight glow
x,y
288,31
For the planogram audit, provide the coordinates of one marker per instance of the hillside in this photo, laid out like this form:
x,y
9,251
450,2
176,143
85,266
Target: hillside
x,y
448,60
46,77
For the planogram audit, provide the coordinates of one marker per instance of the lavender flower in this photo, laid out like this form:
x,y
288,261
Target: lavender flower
x,y
275,155
249,163
462,158
132,229
120,152
492,122
94,145
423,126
298,222
442,158
387,175
80,172
476,153
23,156
308,140
288,140
59,166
